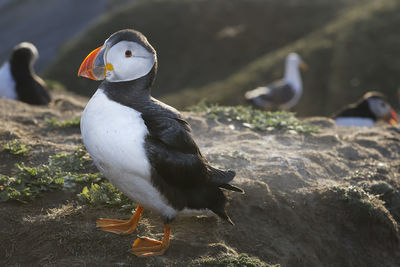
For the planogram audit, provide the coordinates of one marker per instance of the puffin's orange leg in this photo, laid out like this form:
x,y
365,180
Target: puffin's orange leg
x,y
121,227
144,247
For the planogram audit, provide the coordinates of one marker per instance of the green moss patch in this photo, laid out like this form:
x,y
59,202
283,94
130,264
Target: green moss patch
x,y
62,171
255,119
17,148
105,194
53,122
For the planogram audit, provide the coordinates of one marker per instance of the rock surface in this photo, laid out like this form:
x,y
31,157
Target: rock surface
x,y
326,199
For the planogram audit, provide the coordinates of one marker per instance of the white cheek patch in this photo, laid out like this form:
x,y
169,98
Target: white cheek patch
x,y
377,108
128,68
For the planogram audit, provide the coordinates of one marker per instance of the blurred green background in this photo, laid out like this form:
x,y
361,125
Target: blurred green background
x,y
219,49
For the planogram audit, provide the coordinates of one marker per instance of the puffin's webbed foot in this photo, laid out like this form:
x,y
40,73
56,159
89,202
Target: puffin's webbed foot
x,y
121,227
144,247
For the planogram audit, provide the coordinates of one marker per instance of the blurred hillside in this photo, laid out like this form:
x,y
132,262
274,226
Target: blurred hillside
x,y
46,23
218,49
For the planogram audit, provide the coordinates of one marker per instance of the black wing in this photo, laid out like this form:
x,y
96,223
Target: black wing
x,y
273,95
360,109
176,157
179,170
173,152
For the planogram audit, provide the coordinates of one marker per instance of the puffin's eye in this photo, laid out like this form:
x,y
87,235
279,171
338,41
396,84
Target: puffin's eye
x,y
128,53
383,104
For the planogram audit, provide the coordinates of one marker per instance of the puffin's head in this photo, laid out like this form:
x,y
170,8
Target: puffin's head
x,y
25,52
126,55
379,106
295,60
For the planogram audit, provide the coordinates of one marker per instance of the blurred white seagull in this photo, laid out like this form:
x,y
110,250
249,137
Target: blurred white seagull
x,y
282,94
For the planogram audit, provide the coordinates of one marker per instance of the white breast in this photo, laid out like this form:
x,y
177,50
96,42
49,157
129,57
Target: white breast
x,y
7,83
114,136
355,121
292,76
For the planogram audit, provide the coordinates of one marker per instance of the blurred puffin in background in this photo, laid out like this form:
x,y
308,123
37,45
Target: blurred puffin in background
x,y
372,107
143,146
282,94
18,79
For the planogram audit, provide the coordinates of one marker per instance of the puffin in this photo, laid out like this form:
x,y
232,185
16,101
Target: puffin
x,y
372,106
145,147
18,79
282,94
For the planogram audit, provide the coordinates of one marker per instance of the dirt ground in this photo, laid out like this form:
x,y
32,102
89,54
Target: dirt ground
x,y
326,199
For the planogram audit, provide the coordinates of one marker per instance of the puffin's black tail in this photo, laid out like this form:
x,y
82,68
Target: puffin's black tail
x,y
222,178
218,204
232,188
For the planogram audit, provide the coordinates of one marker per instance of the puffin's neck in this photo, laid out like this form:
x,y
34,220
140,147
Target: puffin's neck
x,y
22,70
133,93
292,75
364,108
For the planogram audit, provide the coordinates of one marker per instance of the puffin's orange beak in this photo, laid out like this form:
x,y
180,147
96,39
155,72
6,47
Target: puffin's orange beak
x,y
93,65
392,120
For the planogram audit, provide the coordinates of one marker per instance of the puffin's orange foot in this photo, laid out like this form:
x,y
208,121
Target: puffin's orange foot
x,y
121,227
144,247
